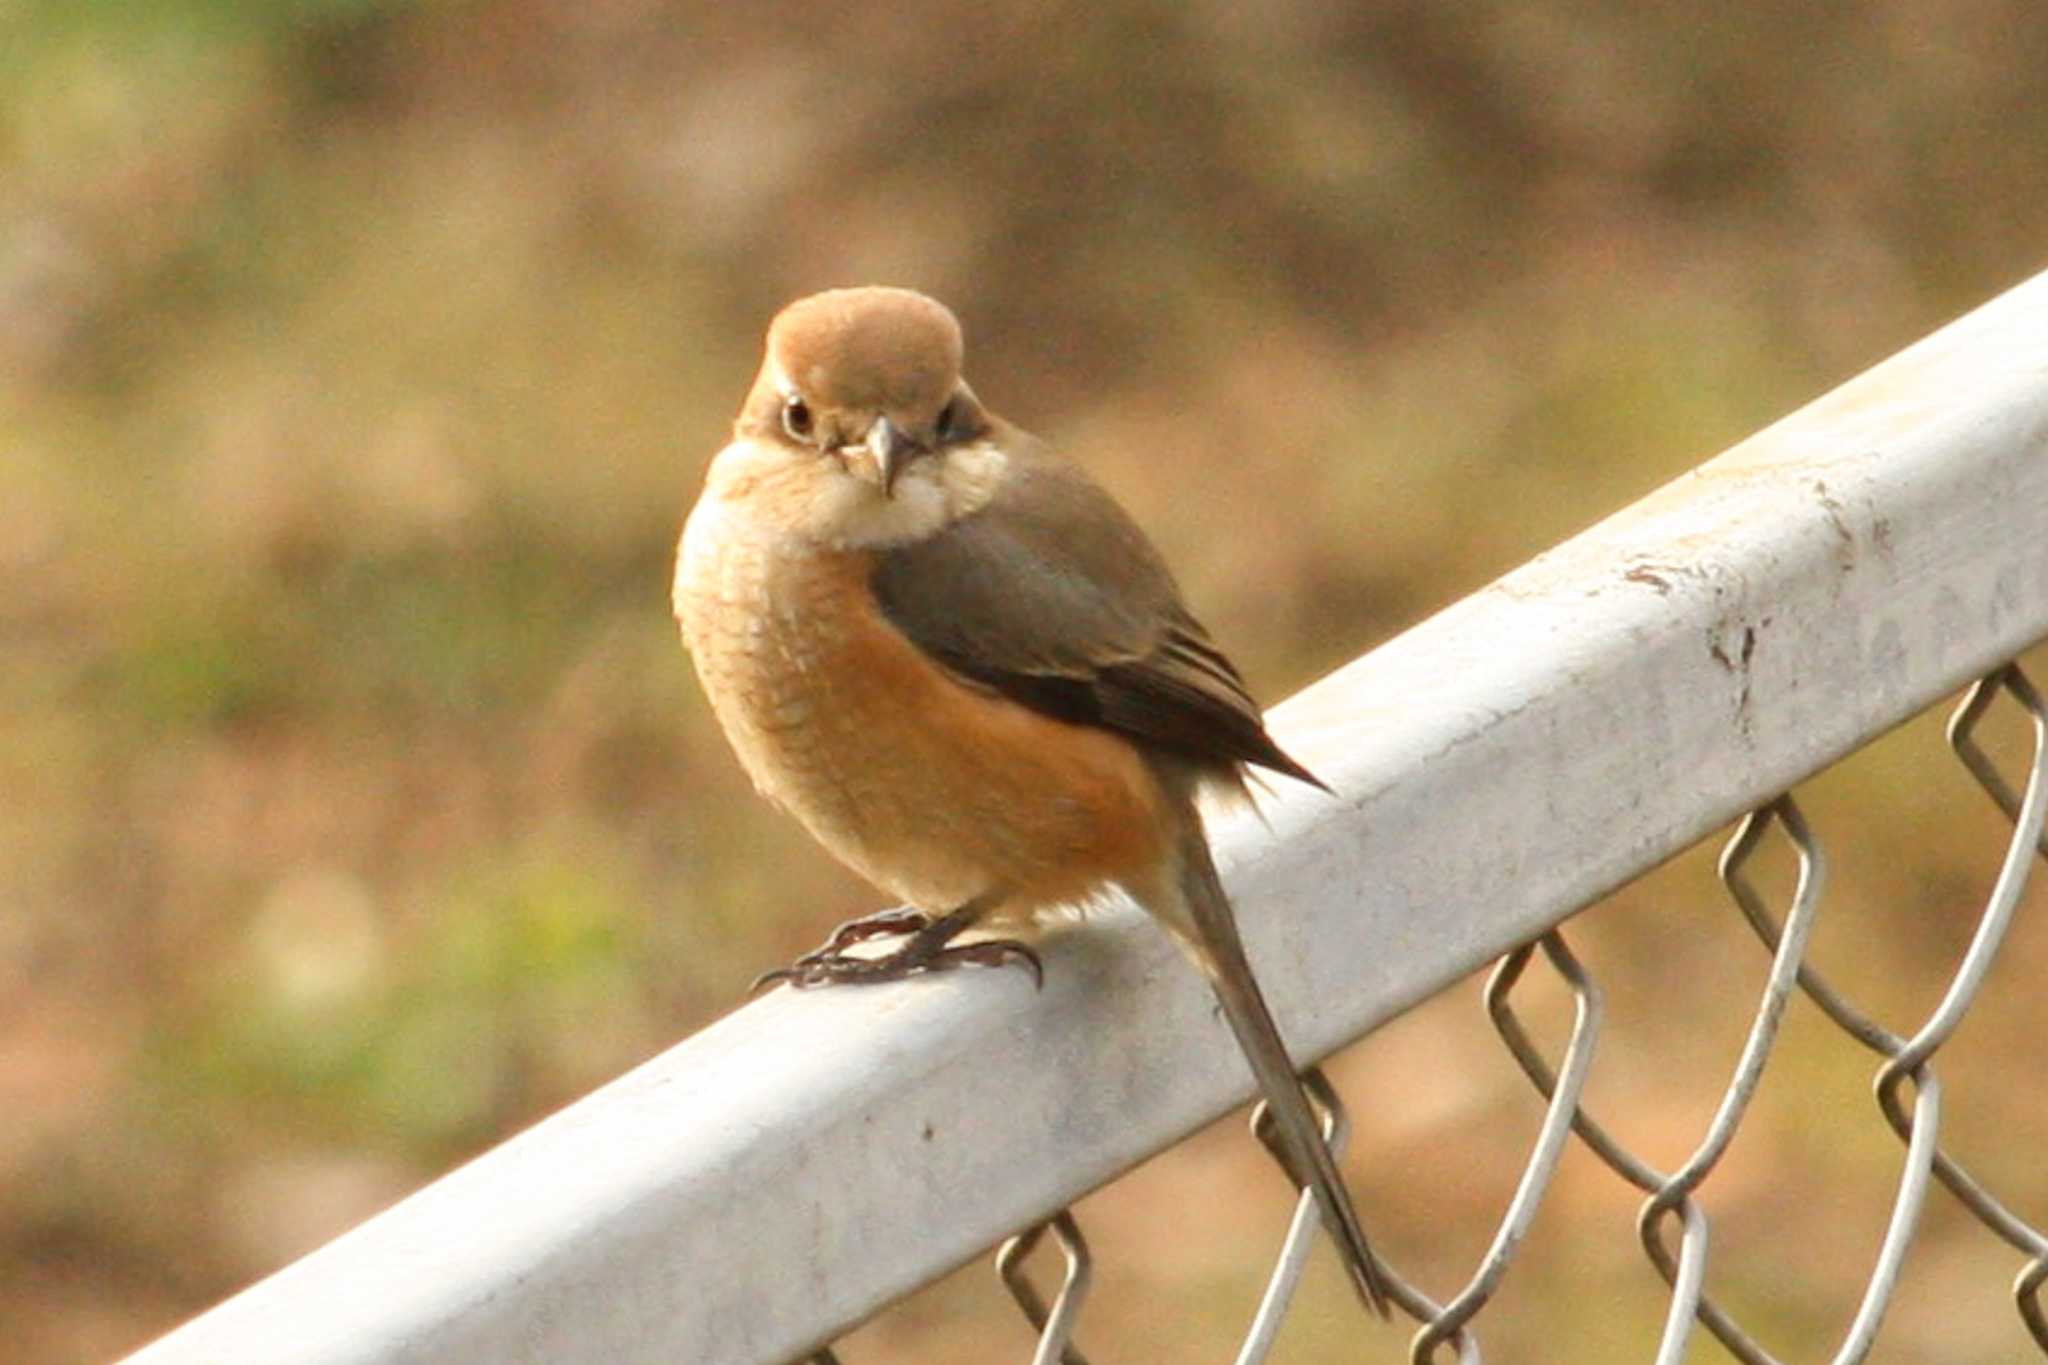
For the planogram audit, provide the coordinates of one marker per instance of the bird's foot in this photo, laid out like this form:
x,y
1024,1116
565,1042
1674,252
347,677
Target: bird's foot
x,y
928,947
902,920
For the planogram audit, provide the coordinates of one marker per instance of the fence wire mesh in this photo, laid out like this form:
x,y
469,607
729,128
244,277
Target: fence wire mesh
x,y
1672,1223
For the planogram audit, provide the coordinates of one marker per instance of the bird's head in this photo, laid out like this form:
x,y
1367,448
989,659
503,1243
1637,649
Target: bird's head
x,y
859,425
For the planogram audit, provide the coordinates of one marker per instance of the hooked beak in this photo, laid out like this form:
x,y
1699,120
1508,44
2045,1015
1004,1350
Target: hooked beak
x,y
893,452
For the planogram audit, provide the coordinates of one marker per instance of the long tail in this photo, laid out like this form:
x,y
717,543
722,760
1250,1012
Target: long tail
x,y
1221,956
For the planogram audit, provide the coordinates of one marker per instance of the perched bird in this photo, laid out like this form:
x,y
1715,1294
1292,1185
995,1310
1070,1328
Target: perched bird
x,y
963,667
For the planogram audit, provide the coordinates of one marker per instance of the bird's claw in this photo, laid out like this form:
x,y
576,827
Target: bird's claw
x,y
834,967
881,924
902,920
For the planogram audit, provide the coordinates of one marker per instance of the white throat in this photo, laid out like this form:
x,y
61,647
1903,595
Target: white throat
x,y
816,499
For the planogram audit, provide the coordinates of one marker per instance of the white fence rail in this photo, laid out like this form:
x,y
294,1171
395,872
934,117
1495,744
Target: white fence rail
x,y
776,1178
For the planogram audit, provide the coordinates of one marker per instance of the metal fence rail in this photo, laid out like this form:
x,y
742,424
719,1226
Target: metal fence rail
x,y
776,1178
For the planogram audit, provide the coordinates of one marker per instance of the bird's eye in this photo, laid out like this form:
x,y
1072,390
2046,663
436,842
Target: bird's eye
x,y
954,422
796,419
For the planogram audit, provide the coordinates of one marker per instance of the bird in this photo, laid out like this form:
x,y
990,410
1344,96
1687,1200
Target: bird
x,y
958,662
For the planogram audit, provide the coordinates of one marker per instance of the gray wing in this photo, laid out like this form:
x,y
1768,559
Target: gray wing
x,y
1054,598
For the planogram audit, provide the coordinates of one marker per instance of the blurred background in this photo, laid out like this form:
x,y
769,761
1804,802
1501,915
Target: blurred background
x,y
357,361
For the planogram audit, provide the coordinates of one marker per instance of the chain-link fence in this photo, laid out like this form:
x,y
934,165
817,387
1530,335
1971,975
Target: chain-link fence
x,y
1672,1225
775,1180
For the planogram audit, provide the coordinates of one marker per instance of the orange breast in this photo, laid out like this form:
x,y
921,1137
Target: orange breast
x,y
935,790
